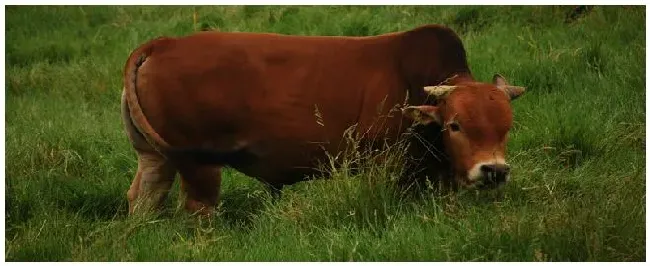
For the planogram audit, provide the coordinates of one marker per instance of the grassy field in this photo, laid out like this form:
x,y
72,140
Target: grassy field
x,y
577,148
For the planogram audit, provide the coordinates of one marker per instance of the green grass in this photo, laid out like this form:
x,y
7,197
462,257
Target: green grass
x,y
577,148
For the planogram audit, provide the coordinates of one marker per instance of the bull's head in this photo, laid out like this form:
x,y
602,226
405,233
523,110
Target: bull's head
x,y
475,119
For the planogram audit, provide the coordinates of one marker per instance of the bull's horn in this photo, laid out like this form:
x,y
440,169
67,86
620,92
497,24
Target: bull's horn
x,y
439,91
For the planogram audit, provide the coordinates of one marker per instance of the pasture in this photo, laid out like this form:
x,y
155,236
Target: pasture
x,y
577,149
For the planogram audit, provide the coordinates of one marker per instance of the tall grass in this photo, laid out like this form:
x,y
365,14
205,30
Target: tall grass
x,y
577,147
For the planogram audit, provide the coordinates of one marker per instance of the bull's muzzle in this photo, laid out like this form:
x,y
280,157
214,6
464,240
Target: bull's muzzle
x,y
489,174
494,174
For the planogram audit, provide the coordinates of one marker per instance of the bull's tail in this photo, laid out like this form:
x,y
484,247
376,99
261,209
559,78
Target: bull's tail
x,y
136,59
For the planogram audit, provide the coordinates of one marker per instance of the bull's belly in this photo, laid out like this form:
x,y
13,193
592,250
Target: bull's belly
x,y
277,175
282,162
272,161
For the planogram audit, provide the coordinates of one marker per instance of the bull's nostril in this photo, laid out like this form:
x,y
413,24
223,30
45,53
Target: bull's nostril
x,y
488,168
495,168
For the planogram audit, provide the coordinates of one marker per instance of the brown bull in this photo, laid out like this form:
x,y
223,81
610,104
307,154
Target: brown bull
x,y
197,103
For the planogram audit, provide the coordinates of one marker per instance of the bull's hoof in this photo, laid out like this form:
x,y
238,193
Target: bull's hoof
x,y
199,208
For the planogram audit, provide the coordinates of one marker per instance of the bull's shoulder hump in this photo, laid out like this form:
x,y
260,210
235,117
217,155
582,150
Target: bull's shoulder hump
x,y
438,28
434,39
438,31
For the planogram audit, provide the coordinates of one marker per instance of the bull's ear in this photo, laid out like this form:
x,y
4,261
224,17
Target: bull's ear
x,y
511,91
499,80
423,114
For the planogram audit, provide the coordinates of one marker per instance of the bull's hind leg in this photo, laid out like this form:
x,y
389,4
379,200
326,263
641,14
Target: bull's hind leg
x,y
152,182
155,174
202,185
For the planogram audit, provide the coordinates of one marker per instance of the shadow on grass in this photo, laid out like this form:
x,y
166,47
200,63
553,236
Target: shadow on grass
x,y
240,206
96,205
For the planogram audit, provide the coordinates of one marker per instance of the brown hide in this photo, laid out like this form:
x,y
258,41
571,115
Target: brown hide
x,y
249,100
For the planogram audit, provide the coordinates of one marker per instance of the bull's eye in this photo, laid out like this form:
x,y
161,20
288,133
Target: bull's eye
x,y
454,127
